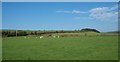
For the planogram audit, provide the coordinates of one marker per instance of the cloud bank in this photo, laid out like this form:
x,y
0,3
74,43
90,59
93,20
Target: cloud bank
x,y
99,13
104,13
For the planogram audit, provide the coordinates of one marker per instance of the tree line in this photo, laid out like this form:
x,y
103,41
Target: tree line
x,y
10,33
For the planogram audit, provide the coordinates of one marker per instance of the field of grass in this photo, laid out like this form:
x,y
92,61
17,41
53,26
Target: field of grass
x,y
63,48
0,48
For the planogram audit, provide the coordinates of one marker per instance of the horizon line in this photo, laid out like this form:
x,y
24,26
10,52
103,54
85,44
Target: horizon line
x,y
57,29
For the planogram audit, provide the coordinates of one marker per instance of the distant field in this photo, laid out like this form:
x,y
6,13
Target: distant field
x,y
63,48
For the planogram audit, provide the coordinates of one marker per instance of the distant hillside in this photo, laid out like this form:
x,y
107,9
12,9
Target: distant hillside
x,y
89,30
114,32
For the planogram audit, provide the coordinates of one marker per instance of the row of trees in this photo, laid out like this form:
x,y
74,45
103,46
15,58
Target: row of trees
x,y
9,33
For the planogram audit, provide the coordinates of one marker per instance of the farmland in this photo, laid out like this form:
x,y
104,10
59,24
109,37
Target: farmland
x,y
64,30
93,46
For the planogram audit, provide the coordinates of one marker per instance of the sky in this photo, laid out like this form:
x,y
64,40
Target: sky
x,y
60,0
0,15
102,16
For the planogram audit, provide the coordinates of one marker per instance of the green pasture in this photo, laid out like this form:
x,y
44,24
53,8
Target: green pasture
x,y
63,48
0,48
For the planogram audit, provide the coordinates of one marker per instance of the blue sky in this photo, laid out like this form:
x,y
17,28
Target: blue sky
x,y
60,0
60,15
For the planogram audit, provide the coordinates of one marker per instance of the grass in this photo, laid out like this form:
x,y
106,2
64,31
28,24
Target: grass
x,y
63,48
0,48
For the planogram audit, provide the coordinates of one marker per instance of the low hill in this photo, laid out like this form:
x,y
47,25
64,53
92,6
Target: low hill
x,y
89,30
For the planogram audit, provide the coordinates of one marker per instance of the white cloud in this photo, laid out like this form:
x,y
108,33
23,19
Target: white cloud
x,y
104,16
104,13
63,11
99,13
104,9
73,11
77,11
114,7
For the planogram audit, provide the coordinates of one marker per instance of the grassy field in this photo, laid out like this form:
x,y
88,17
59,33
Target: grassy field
x,y
0,48
63,48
